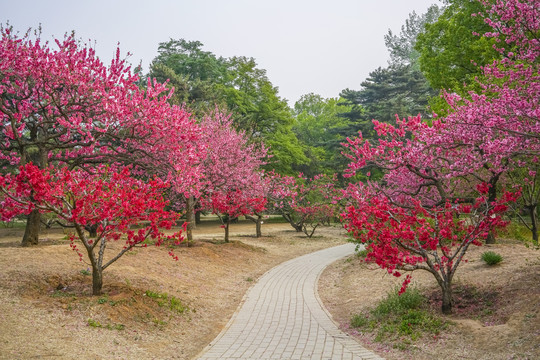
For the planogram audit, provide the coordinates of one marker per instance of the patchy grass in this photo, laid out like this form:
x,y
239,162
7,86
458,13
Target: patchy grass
x,y
44,291
495,314
165,300
400,320
362,253
519,233
86,272
491,258
96,324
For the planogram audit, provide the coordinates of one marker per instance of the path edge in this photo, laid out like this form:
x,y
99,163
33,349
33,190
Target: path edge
x,y
244,298
359,247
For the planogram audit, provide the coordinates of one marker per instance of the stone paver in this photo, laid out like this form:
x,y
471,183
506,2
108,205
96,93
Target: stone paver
x,y
282,317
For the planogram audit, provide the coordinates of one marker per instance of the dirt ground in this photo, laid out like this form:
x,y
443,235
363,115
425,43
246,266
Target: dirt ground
x,y
46,310
496,314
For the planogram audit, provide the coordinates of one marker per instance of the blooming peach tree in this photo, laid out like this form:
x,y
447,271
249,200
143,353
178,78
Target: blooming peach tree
x,y
124,209
228,205
60,105
81,140
440,192
306,203
233,183
422,215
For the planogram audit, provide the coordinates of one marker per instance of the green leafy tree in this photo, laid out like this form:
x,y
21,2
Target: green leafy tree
x,y
188,59
258,110
400,88
321,130
386,92
451,50
195,75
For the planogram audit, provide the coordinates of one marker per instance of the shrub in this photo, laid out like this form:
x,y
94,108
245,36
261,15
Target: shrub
x,y
491,258
395,304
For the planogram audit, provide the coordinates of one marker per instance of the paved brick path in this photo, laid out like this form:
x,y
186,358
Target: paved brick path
x,y
281,317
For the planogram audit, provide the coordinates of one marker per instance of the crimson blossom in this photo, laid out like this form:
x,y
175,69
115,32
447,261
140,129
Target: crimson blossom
x,y
123,208
232,204
426,211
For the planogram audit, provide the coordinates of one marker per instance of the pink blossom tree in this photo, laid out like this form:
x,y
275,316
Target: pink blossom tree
x,y
433,239
500,125
306,203
233,180
114,200
425,213
439,193
64,106
228,205
283,191
259,189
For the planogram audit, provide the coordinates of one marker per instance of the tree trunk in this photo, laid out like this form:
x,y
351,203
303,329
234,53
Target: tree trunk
x,y
307,232
258,227
447,301
190,214
258,224
97,280
33,225
197,217
534,223
297,227
491,238
227,230
492,196
92,230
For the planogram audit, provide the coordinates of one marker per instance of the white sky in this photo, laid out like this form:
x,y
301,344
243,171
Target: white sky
x,y
305,45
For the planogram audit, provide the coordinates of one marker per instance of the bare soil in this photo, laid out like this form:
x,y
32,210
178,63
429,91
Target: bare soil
x,y
47,311
496,311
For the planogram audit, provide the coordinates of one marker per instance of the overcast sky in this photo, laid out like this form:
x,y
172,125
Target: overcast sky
x,y
304,45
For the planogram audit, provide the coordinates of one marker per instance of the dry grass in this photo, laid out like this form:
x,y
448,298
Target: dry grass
x,y
46,309
496,315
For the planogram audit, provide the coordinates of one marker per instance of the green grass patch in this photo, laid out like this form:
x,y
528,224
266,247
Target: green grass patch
x,y
168,301
491,258
96,324
105,300
63,294
86,272
400,319
362,253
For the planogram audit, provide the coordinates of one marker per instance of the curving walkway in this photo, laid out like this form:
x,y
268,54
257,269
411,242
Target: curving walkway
x,y
282,317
